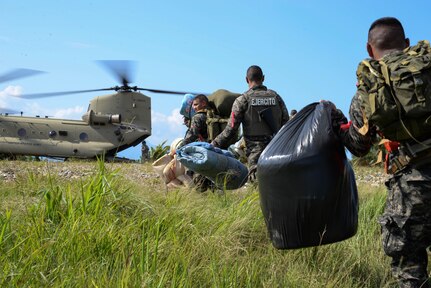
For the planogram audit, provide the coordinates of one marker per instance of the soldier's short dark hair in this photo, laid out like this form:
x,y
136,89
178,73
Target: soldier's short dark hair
x,y
390,37
201,97
254,73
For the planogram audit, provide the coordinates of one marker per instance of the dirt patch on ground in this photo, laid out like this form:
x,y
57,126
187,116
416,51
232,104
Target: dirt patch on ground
x,y
11,170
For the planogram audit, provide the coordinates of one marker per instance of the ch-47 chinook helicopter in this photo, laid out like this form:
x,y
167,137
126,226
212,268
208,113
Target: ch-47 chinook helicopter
x,y
111,124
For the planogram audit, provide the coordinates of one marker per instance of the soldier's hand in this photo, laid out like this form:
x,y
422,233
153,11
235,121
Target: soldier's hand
x,y
338,118
329,103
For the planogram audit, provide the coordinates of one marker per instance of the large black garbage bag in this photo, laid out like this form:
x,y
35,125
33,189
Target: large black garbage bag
x,y
307,187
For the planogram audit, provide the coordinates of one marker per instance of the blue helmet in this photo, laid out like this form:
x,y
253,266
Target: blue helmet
x,y
186,106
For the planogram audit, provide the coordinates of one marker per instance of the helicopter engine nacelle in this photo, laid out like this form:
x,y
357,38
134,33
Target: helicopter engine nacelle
x,y
92,118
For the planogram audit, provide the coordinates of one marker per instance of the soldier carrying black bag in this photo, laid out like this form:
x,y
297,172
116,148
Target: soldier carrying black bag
x,y
393,100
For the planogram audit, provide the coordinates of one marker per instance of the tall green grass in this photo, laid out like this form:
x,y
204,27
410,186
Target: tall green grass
x,y
103,231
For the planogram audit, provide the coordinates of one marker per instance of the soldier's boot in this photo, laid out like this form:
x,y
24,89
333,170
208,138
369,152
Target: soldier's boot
x,y
411,271
200,183
414,284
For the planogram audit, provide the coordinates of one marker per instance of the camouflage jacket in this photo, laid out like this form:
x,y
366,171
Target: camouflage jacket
x,y
198,128
239,109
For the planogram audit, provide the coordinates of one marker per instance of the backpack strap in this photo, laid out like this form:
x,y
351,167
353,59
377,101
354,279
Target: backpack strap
x,y
385,73
367,64
214,124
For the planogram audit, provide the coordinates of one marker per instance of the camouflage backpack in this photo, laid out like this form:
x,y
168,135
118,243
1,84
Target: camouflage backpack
x,y
399,92
218,112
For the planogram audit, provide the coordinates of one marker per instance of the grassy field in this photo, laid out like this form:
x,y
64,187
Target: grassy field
x,y
97,225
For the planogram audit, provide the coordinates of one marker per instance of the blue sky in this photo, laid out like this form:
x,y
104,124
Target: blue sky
x,y
308,50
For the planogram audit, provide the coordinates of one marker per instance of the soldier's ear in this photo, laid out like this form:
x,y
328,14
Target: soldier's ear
x,y
246,79
370,50
407,42
263,78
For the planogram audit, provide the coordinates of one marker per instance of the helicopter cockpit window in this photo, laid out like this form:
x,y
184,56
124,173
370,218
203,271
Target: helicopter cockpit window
x,y
83,137
52,133
22,132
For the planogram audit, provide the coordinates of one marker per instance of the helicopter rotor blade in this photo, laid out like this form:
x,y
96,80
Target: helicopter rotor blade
x,y
169,91
8,111
120,69
18,73
52,94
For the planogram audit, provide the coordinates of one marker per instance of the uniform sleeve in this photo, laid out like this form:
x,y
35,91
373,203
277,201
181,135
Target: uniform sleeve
x,y
196,126
357,143
284,112
237,115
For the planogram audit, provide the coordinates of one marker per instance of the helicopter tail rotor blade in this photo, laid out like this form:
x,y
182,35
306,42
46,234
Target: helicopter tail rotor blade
x,y
52,94
18,73
120,69
169,91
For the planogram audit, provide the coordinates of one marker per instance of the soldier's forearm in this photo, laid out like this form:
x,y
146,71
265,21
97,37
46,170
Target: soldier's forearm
x,y
359,145
223,139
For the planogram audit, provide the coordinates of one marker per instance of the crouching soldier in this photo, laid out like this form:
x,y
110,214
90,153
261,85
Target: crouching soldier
x,y
198,132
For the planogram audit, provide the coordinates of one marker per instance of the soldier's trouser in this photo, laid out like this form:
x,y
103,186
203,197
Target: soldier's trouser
x,y
406,225
253,151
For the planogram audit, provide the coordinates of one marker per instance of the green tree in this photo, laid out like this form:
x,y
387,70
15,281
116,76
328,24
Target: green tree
x,y
158,151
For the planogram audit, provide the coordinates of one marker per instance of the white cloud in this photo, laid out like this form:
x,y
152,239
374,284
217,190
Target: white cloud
x,y
6,101
63,113
70,113
3,103
33,109
15,91
174,120
166,127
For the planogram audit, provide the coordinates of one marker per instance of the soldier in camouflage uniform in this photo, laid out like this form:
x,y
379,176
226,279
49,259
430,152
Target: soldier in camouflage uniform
x,y
198,132
406,221
261,112
145,152
198,124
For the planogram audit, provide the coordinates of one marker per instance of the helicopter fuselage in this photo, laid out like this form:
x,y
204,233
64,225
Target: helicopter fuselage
x,y
111,124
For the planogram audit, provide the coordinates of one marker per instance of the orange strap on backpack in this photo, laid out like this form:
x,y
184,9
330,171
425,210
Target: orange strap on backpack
x,y
390,147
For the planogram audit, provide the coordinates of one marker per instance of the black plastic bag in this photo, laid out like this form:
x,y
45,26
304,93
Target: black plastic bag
x,y
307,187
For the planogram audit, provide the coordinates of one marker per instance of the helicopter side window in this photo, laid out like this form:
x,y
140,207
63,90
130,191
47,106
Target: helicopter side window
x,y
52,134
83,137
22,132
62,133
